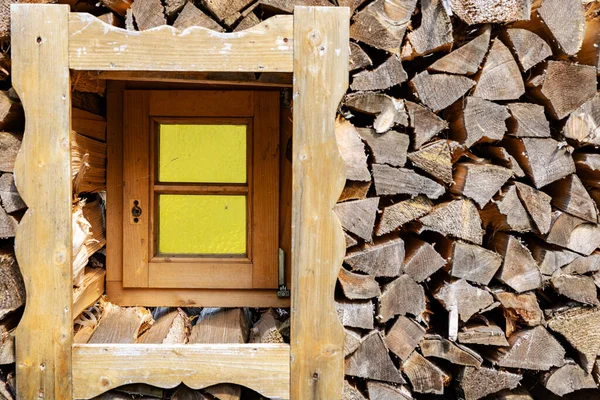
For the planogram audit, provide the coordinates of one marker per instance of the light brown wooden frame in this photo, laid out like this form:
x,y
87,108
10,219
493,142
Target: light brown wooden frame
x,y
47,41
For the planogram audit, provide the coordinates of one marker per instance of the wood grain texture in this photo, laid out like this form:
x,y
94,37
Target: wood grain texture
x,y
318,244
100,367
43,176
94,45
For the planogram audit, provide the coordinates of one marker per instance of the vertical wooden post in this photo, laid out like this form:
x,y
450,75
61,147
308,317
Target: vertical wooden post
x,y
40,76
320,81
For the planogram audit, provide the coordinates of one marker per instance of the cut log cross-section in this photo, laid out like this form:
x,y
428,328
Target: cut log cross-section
x,y
438,91
500,77
458,218
466,59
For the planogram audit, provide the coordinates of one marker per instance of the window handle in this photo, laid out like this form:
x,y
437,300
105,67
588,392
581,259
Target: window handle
x,y
283,290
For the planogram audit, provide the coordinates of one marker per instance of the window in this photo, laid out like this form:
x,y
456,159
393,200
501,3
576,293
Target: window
x,y
200,189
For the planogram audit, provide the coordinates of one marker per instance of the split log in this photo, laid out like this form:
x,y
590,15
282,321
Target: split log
x,y
173,7
425,123
355,190
479,182
396,215
421,260
529,47
519,270
11,284
218,325
185,393
11,113
389,111
506,212
172,328
521,308
352,151
564,86
355,314
480,382
533,348
483,334
476,120
224,9
579,326
287,6
9,195
424,376
467,59
500,66
528,120
267,329
466,299
358,217
358,58
565,21
519,393
382,24
7,340
568,379
487,11
391,181
589,53
247,22
537,204
387,148
129,22
583,125
87,124
121,324
382,259
90,291
382,391
372,361
437,158
588,168
579,288
569,195
83,81
351,341
499,156
357,286
404,337
573,233
148,14
389,73
438,91
438,347
471,262
88,164
193,16
457,218
350,393
10,143
584,265
435,31
8,225
401,297
544,160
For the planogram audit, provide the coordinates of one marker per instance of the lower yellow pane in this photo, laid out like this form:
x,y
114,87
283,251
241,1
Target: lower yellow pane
x,y
201,224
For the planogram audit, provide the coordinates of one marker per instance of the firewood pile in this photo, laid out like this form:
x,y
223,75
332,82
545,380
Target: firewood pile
x,y
470,134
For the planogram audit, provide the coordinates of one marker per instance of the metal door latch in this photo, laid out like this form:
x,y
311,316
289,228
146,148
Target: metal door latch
x,y
283,291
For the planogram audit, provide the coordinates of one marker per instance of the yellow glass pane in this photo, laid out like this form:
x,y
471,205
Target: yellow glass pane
x,y
201,224
202,153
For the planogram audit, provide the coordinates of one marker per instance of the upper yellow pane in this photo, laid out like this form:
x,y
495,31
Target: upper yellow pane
x,y
202,153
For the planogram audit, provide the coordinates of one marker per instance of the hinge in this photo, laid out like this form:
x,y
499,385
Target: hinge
x,y
283,291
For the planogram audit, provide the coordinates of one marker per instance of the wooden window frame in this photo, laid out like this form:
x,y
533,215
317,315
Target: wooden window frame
x,y
142,267
46,42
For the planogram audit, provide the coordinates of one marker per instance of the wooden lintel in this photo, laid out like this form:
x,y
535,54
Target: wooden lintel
x,y
276,79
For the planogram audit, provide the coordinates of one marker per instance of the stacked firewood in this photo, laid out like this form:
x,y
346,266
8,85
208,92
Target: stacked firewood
x,y
470,134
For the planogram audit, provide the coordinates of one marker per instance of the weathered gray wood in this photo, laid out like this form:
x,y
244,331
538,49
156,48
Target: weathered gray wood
x,y
9,195
10,143
121,324
479,382
568,379
565,19
396,215
467,59
401,297
478,120
358,217
372,361
424,123
11,284
487,11
148,14
478,333
350,393
192,16
268,329
466,299
533,348
358,58
522,308
569,195
578,288
172,328
528,120
588,168
421,260
358,286
438,91
519,270
383,391
457,218
584,122
479,182
404,337
436,158
386,148
389,73
506,212
499,156
383,259
389,111
473,263
352,151
424,376
573,233
391,181
529,47
355,314
435,31
500,66
351,342
583,265
437,346
537,204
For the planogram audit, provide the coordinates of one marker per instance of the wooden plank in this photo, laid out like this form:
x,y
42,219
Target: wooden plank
x,y
40,76
318,244
217,275
114,180
94,45
100,367
136,171
220,78
223,103
265,185
151,297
